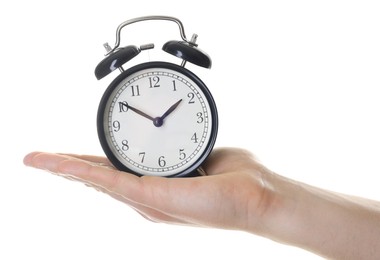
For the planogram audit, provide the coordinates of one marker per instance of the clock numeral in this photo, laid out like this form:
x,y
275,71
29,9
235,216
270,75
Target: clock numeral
x,y
124,145
200,117
123,106
194,138
116,126
142,155
182,155
191,96
174,86
154,82
161,161
135,90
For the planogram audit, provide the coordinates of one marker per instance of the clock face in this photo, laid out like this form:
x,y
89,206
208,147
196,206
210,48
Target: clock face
x,y
157,119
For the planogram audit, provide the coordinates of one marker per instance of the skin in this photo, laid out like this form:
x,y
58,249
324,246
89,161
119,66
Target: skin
x,y
238,193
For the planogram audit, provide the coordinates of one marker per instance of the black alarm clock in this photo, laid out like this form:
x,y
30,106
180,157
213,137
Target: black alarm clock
x,y
156,118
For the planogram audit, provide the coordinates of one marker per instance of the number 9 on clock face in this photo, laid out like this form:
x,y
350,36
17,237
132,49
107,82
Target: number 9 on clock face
x,y
157,119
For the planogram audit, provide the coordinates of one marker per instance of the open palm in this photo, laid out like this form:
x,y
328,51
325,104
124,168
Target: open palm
x,y
233,188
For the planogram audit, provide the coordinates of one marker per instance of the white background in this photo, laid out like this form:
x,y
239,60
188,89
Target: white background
x,y
296,82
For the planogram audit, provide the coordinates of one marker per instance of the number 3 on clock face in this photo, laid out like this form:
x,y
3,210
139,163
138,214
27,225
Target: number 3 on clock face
x,y
157,119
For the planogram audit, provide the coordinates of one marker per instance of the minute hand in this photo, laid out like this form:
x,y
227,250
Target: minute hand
x,y
140,113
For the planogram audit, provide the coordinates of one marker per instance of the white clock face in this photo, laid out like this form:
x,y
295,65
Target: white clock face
x,y
157,121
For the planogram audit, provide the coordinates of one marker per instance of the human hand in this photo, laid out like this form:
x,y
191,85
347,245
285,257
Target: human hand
x,y
233,195
237,193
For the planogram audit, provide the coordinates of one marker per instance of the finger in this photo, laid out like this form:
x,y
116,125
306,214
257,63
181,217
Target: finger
x,y
95,173
72,168
44,161
28,159
91,158
154,197
147,195
127,185
169,196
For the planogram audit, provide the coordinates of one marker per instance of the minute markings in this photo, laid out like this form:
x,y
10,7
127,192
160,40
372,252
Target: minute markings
x,y
159,94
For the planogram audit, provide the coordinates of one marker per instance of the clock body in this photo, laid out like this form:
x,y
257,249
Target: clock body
x,y
157,119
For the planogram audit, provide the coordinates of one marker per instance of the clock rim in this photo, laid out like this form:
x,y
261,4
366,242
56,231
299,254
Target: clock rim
x,y
189,171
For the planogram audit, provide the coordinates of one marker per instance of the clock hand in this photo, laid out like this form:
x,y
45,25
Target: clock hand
x,y
140,112
159,121
171,109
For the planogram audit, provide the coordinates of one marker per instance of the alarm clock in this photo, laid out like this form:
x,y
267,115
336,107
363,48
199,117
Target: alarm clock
x,y
156,118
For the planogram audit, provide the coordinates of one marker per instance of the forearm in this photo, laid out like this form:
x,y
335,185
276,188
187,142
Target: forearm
x,y
329,224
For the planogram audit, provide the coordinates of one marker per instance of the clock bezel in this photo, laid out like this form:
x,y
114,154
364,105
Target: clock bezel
x,y
189,171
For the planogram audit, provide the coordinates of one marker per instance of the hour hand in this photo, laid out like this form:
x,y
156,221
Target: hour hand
x,y
159,121
171,109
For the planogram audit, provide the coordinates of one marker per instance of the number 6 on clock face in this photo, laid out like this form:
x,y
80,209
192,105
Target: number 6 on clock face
x,y
157,119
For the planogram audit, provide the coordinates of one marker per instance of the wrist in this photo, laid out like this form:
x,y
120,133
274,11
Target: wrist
x,y
294,214
326,223
281,197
